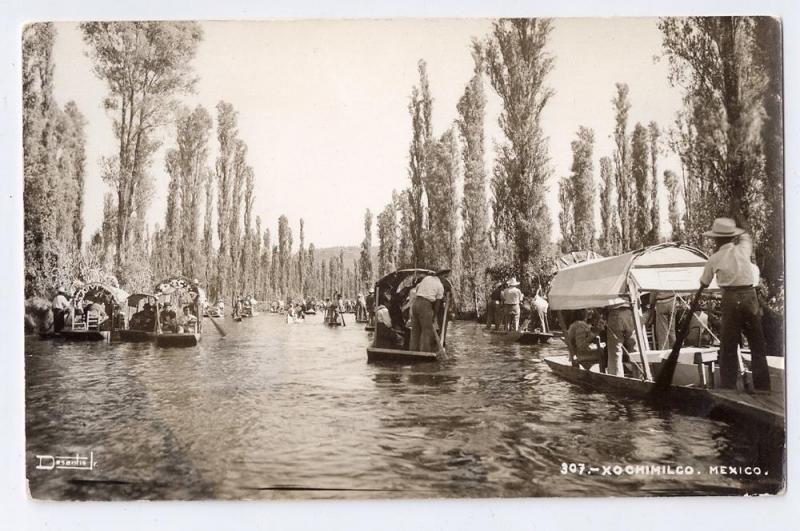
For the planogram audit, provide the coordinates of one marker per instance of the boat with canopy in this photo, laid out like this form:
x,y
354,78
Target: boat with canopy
x,y
95,312
669,269
141,318
180,302
392,292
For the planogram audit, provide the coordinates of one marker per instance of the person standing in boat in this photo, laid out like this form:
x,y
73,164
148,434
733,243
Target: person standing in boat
x,y
370,304
60,307
512,298
429,296
620,330
737,277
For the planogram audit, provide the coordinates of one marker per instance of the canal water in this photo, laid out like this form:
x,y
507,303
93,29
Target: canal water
x,y
294,411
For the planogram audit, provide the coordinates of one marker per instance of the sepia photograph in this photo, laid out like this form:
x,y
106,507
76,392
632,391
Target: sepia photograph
x,y
414,258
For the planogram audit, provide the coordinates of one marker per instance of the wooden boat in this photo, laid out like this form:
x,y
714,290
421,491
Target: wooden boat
x,y
139,302
534,338
669,269
181,293
687,392
167,339
88,324
392,291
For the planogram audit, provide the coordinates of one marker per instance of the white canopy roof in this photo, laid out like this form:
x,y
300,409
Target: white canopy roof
x,y
668,267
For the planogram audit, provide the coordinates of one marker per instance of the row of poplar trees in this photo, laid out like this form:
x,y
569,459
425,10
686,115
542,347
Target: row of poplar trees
x,y
728,137
208,231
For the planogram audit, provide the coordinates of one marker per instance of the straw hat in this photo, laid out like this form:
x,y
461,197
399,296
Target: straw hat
x,y
512,282
723,228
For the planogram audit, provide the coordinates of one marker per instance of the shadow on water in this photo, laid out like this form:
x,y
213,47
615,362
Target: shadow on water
x,y
279,410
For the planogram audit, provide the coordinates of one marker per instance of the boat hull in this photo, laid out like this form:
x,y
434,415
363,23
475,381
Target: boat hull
x,y
177,340
765,410
136,336
375,354
86,335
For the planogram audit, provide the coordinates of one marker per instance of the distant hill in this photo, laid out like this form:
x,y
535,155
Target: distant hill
x,y
352,252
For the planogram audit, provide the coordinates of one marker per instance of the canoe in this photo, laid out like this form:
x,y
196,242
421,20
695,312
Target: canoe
x,y
86,335
369,328
177,340
375,354
310,312
687,393
136,336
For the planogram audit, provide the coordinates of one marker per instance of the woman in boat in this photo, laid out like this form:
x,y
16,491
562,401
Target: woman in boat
x,y
169,321
188,321
583,340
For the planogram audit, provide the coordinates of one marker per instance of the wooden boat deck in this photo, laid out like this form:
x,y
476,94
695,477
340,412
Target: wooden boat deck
x,y
375,354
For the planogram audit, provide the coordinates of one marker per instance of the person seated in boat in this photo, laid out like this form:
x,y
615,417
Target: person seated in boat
x,y
143,319
386,334
583,340
426,306
94,309
187,323
697,336
169,321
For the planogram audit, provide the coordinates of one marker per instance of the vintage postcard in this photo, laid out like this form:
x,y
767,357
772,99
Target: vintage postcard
x,y
404,258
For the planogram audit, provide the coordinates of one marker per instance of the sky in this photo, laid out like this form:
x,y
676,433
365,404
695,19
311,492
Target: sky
x,y
323,106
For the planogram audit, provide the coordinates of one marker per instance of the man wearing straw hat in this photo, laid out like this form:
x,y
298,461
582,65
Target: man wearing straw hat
x,y
512,297
737,276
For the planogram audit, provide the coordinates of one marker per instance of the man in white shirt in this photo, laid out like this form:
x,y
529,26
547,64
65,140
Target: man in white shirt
x,y
512,297
735,274
60,307
429,294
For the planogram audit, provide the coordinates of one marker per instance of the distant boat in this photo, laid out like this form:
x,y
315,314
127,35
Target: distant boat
x,y
181,293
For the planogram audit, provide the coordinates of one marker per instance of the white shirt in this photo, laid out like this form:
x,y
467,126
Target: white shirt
x,y
431,288
731,265
60,302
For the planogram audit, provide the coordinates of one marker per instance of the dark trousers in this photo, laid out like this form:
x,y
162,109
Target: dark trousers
x,y
58,320
423,336
741,313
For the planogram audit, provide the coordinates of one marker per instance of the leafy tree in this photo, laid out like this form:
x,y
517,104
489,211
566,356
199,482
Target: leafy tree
x,y
474,208
672,184
227,138
517,64
608,214
420,109
365,261
566,218
387,237
208,233
442,245
655,210
193,133
625,201
582,189
640,166
145,64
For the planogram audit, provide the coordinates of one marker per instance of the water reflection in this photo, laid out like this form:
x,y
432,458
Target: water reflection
x,y
274,408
